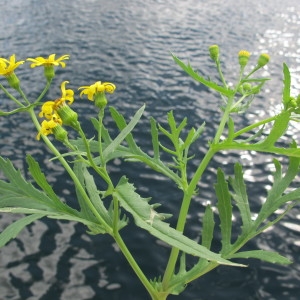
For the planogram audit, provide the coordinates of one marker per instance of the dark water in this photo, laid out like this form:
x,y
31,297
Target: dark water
x,y
128,42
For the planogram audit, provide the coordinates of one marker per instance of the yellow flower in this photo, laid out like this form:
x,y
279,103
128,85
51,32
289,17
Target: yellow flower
x,y
7,67
49,64
243,57
97,87
50,61
48,126
51,107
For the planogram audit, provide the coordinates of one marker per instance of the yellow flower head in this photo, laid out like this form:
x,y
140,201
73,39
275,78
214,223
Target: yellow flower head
x,y
50,107
50,61
96,88
7,67
243,57
48,126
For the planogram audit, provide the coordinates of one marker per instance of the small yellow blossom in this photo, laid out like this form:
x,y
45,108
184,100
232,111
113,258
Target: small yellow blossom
x,y
50,61
7,67
51,107
243,57
97,87
49,64
48,126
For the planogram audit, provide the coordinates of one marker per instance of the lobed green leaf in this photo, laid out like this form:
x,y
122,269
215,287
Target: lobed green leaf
x,y
208,227
189,70
241,198
286,92
147,218
264,255
12,230
225,209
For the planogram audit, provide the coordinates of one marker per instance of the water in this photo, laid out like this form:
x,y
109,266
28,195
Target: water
x,y
129,43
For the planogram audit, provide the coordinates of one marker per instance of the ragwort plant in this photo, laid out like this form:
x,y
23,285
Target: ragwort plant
x,y
106,211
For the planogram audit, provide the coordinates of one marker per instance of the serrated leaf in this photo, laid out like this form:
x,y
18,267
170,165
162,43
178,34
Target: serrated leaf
x,y
12,230
20,193
208,227
189,70
41,180
280,126
95,197
276,197
225,209
75,217
126,129
264,255
241,198
147,218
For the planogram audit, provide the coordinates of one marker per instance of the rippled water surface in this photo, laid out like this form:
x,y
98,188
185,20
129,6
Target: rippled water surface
x,y
129,42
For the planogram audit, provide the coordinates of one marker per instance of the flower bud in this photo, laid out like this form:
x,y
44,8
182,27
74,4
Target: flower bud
x,y
243,58
60,133
68,116
263,60
214,52
13,81
247,86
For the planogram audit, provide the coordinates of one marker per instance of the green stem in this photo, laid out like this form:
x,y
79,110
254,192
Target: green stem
x,y
100,170
44,91
218,64
183,214
223,120
100,117
71,173
188,194
9,95
23,95
255,125
151,290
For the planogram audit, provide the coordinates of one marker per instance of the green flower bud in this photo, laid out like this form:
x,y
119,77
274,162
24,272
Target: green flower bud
x,y
247,86
214,52
263,60
13,81
243,58
60,133
68,116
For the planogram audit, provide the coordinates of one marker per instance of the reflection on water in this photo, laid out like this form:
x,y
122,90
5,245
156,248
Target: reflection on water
x,y
128,43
